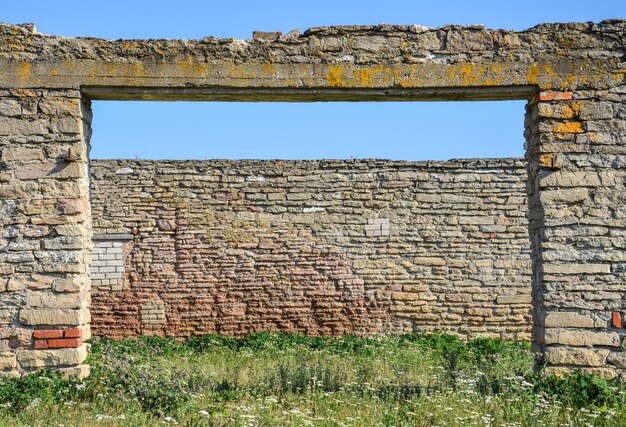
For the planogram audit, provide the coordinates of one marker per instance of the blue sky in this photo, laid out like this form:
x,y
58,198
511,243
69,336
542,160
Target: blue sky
x,y
412,131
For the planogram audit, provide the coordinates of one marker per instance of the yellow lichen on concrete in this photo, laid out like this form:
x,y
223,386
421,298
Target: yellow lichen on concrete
x,y
238,72
532,74
268,69
365,77
550,72
24,72
188,67
335,77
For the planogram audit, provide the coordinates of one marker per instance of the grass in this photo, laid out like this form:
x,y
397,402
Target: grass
x,y
277,380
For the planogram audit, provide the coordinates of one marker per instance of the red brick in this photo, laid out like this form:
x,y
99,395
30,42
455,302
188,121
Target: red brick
x,y
616,319
48,333
65,343
40,344
73,333
553,95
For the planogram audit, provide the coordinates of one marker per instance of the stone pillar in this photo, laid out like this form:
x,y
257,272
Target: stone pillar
x,y
576,151
46,234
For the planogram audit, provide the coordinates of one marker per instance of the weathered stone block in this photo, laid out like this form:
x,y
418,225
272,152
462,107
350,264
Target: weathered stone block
x,y
513,299
574,195
29,281
575,356
570,179
74,283
37,359
8,360
10,107
433,261
53,316
469,40
568,319
581,338
15,126
576,268
47,299
10,154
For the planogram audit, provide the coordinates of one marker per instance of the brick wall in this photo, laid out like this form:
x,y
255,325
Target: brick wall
x,y
107,261
321,247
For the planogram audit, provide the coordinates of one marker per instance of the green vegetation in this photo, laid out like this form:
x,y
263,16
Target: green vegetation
x,y
277,380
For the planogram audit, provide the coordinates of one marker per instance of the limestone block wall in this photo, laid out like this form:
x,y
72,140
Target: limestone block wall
x,y
320,247
577,149
45,224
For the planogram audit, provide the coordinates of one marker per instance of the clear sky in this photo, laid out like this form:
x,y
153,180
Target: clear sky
x,y
412,131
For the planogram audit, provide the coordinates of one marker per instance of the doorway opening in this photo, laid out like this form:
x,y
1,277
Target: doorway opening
x,y
364,241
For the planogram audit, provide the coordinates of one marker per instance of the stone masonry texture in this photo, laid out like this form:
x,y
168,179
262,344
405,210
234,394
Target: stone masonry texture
x,y
241,246
572,75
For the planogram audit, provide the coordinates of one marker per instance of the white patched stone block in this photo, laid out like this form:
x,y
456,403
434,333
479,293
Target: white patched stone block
x,y
313,210
124,171
108,269
577,268
377,227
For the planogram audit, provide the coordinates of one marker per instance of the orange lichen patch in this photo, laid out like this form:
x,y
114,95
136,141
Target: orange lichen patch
x,y
570,81
236,72
138,69
619,76
568,127
468,74
465,74
532,74
185,65
111,69
568,42
334,77
496,69
466,71
268,68
546,160
575,107
554,95
397,73
364,77
561,110
549,71
24,72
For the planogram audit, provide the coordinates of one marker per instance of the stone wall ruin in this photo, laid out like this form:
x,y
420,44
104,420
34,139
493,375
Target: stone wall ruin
x,y
572,75
328,247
